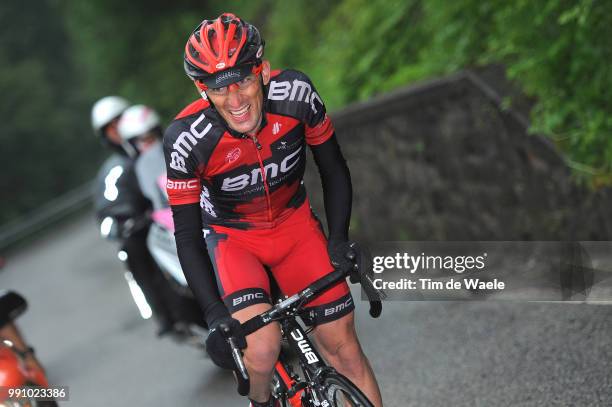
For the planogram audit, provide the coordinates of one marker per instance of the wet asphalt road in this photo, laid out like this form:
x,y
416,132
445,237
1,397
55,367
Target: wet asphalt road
x,y
91,338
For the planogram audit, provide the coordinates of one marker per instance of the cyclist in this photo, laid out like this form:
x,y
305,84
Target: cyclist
x,y
117,195
235,161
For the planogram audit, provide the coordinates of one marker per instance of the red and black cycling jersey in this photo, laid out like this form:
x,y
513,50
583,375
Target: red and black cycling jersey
x,y
243,181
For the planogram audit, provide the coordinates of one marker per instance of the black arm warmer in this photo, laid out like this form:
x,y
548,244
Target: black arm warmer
x,y
337,188
195,261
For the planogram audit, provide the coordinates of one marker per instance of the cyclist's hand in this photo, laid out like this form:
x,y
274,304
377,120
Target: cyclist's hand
x,y
345,255
217,346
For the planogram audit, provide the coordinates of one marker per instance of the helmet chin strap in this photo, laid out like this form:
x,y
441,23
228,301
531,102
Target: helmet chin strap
x,y
201,89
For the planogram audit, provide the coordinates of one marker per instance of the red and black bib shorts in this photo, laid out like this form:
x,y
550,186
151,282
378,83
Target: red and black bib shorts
x,y
295,253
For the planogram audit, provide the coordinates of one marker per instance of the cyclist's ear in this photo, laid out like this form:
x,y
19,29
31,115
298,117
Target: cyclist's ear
x,y
265,71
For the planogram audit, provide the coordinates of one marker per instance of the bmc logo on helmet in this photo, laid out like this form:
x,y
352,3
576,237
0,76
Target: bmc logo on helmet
x,y
183,184
272,170
297,90
185,142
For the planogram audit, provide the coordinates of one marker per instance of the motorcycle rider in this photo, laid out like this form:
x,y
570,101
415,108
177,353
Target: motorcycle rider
x,y
140,128
119,201
235,161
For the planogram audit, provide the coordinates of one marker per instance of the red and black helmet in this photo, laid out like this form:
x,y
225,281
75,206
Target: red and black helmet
x,y
223,51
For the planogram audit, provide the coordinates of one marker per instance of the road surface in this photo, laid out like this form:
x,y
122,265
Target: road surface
x,y
91,338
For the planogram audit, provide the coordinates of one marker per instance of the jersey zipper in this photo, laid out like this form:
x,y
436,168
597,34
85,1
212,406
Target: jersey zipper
x,y
263,175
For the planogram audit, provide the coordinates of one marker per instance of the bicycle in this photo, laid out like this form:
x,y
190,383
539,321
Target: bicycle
x,y
320,385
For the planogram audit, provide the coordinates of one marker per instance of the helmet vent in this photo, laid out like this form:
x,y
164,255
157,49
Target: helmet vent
x,y
225,42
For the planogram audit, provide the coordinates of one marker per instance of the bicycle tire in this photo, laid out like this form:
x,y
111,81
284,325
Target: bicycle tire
x,y
335,384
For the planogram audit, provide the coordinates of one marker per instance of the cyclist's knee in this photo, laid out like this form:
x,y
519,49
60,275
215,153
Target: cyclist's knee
x,y
263,346
262,349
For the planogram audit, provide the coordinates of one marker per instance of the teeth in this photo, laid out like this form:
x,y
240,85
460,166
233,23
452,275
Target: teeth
x,y
240,112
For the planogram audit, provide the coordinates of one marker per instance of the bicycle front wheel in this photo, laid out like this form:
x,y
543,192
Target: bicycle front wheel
x,y
341,392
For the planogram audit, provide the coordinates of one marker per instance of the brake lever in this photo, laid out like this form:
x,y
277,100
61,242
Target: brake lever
x,y
241,373
381,294
374,295
237,355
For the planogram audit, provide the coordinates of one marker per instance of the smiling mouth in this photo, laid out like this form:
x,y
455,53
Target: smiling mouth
x,y
240,113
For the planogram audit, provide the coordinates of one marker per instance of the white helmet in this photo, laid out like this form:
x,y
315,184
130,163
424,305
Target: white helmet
x,y
107,109
136,121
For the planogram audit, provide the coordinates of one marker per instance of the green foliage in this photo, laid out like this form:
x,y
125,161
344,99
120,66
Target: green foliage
x,y
559,51
135,49
43,137
132,51
351,49
563,59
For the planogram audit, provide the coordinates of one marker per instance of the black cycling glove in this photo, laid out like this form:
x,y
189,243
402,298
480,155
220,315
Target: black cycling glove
x,y
217,346
345,255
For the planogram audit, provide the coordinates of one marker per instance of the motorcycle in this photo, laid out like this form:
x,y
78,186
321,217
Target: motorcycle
x,y
162,245
191,327
125,216
19,383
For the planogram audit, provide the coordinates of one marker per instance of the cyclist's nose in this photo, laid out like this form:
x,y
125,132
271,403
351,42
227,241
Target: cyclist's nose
x,y
234,97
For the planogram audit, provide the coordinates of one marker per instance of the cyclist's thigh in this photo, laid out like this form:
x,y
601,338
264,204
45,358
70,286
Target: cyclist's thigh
x,y
241,278
340,331
306,262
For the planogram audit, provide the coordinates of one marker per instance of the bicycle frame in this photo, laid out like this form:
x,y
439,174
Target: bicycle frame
x,y
299,341
285,313
294,394
310,362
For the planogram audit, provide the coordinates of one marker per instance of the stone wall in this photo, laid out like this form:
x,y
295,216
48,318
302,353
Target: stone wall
x,y
443,161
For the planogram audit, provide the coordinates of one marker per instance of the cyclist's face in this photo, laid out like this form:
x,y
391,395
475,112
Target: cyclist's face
x,y
240,104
